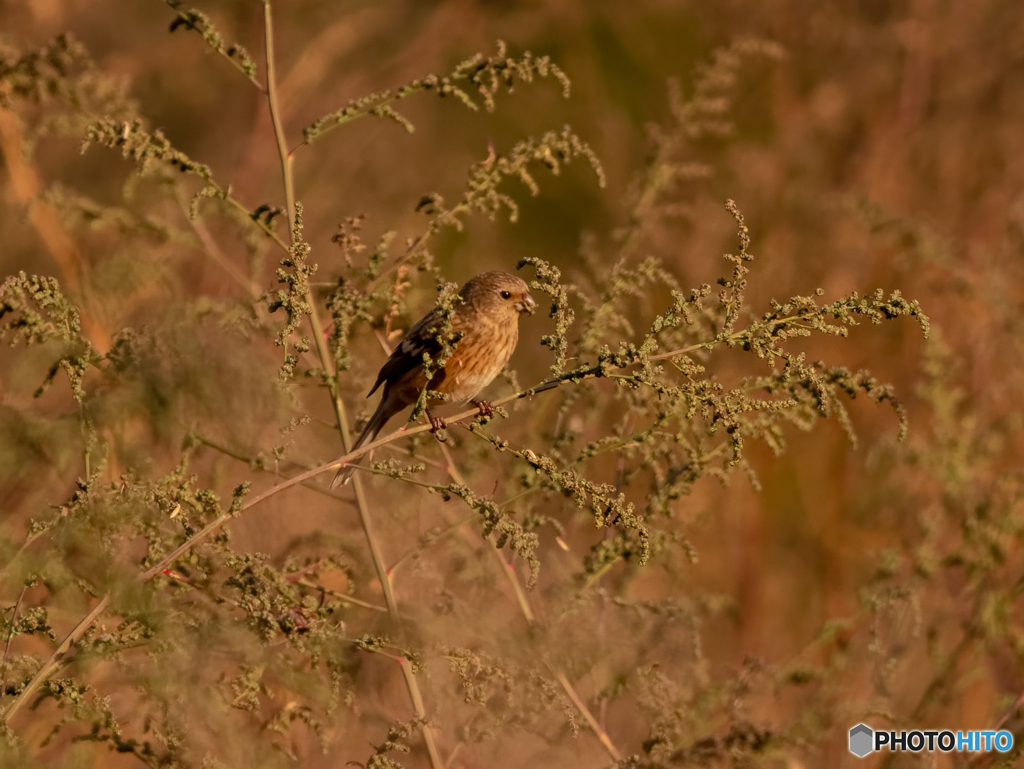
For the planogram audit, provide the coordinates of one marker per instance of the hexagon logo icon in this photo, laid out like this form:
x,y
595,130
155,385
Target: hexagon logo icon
x,y
862,740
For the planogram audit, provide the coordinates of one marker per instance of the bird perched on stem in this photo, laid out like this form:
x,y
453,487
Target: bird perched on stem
x,y
484,321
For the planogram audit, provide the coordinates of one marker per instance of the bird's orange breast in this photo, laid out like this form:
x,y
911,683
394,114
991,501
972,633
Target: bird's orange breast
x,y
478,358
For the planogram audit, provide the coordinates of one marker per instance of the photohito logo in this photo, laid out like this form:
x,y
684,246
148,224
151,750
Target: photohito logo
x,y
865,740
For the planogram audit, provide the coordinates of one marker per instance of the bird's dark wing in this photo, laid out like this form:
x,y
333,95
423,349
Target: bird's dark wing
x,y
408,355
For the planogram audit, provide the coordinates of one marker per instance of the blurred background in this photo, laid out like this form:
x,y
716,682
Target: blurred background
x,y
884,150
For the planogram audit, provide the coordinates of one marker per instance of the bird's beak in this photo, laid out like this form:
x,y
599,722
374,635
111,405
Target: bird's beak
x,y
528,305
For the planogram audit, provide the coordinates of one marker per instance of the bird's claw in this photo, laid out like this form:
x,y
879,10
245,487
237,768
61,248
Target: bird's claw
x,y
486,408
437,425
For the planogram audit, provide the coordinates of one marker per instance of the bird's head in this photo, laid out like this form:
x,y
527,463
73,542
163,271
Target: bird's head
x,y
499,293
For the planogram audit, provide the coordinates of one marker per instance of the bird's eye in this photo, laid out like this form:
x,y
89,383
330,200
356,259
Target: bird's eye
x,y
506,294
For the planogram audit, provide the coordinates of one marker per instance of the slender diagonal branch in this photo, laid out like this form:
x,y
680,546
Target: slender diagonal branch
x,y
595,727
249,461
403,432
342,596
10,637
212,250
508,570
57,657
450,529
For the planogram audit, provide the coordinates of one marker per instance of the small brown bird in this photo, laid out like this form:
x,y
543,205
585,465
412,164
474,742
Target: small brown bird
x,y
487,318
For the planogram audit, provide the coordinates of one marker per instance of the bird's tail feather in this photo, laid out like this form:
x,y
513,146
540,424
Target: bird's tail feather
x,y
374,426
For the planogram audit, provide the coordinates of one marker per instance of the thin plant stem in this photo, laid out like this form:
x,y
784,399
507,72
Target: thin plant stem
x,y
21,550
941,680
421,547
508,569
453,754
403,432
416,245
491,545
421,712
342,597
57,658
249,461
10,637
1012,709
275,116
326,359
212,250
327,362
595,727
